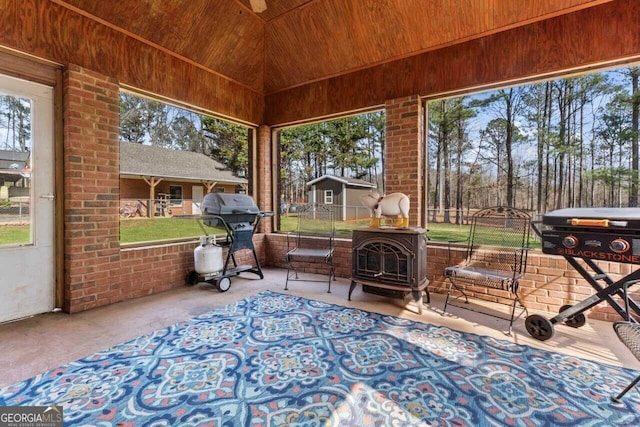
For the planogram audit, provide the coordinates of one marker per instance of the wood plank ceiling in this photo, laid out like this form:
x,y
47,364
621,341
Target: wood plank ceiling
x,y
295,42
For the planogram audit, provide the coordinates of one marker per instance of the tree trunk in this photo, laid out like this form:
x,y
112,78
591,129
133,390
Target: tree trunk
x,y
635,110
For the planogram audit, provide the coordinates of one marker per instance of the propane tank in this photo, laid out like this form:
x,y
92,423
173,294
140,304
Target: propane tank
x,y
207,256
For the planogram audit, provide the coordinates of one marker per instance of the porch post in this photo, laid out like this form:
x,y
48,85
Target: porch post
x,y
151,206
404,160
264,178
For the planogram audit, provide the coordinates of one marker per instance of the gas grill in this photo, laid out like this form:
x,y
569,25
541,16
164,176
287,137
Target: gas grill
x,y
240,217
590,234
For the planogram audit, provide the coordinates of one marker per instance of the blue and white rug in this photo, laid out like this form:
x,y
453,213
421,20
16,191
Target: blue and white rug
x,y
275,360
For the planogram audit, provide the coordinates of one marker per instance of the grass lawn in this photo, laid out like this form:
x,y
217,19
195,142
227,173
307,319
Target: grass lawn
x,y
154,229
148,230
437,232
14,235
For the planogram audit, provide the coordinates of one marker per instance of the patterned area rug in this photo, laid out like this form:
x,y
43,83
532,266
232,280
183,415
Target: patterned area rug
x,y
274,359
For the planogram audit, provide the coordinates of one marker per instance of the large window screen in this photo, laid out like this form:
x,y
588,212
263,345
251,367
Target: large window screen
x,y
331,163
570,142
170,158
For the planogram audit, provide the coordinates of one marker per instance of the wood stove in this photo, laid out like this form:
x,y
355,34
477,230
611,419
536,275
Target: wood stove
x,y
390,261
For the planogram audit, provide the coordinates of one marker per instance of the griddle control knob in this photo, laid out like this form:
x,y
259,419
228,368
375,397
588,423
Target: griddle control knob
x,y
570,242
619,245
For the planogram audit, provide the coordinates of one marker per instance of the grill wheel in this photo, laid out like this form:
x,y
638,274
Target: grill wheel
x,y
539,327
576,321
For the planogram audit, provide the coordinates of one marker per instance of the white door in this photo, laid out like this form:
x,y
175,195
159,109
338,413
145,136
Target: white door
x,y
197,194
27,277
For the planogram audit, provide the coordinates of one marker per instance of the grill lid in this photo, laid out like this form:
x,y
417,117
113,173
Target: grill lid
x,y
625,218
229,204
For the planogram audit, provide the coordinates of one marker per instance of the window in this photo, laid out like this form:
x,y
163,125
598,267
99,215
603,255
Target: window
x,y
172,137
342,149
219,190
328,197
175,195
563,143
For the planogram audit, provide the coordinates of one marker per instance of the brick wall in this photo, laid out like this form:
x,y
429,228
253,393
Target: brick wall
x,y
97,270
91,186
404,152
548,284
264,178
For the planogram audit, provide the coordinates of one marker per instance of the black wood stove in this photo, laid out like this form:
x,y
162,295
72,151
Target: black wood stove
x,y
590,234
391,262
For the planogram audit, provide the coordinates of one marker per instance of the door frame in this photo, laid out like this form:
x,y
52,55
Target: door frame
x,y
38,70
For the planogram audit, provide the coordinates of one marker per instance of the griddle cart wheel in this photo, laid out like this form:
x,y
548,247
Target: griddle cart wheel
x,y
223,284
539,327
192,278
576,321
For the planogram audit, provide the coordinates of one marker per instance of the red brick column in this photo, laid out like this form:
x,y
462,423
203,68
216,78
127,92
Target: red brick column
x,y
264,178
91,186
404,160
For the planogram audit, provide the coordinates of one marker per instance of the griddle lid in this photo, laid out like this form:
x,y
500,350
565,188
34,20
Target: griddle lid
x,y
628,218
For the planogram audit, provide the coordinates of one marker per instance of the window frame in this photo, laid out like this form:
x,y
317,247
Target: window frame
x,y
328,197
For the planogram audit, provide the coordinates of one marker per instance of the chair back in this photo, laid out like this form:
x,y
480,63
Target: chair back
x,y
316,221
499,239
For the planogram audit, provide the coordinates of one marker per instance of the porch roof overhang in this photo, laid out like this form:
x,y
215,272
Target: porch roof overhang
x,y
127,175
144,161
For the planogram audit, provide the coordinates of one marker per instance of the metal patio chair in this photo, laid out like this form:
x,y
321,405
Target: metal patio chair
x,y
628,331
496,258
311,244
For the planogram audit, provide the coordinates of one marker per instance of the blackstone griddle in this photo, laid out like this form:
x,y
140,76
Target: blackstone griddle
x,y
590,235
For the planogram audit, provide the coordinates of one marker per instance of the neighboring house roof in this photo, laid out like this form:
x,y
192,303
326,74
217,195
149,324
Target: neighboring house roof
x,y
148,160
13,159
348,181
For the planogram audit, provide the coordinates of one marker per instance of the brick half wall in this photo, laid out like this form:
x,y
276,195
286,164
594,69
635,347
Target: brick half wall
x,y
549,283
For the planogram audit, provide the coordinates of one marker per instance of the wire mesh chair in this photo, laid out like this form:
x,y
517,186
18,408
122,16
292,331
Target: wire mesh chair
x,y
628,331
496,258
311,244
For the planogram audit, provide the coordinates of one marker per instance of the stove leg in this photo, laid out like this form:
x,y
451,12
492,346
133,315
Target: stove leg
x,y
417,296
351,288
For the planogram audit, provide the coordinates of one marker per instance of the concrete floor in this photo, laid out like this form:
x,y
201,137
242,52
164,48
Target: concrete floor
x,y
39,343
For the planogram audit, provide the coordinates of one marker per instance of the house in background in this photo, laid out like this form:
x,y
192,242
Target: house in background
x,y
14,174
343,193
175,180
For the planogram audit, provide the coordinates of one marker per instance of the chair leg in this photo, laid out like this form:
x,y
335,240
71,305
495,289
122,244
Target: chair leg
x,y
513,313
446,301
618,398
449,288
289,269
331,274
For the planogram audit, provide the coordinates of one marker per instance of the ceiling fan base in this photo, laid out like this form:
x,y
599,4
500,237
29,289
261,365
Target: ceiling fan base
x,y
258,6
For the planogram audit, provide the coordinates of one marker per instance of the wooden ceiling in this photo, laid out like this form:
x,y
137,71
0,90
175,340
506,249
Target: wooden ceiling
x,y
295,42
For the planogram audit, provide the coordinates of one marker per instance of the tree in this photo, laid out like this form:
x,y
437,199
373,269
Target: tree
x,y
506,105
15,118
227,143
633,99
